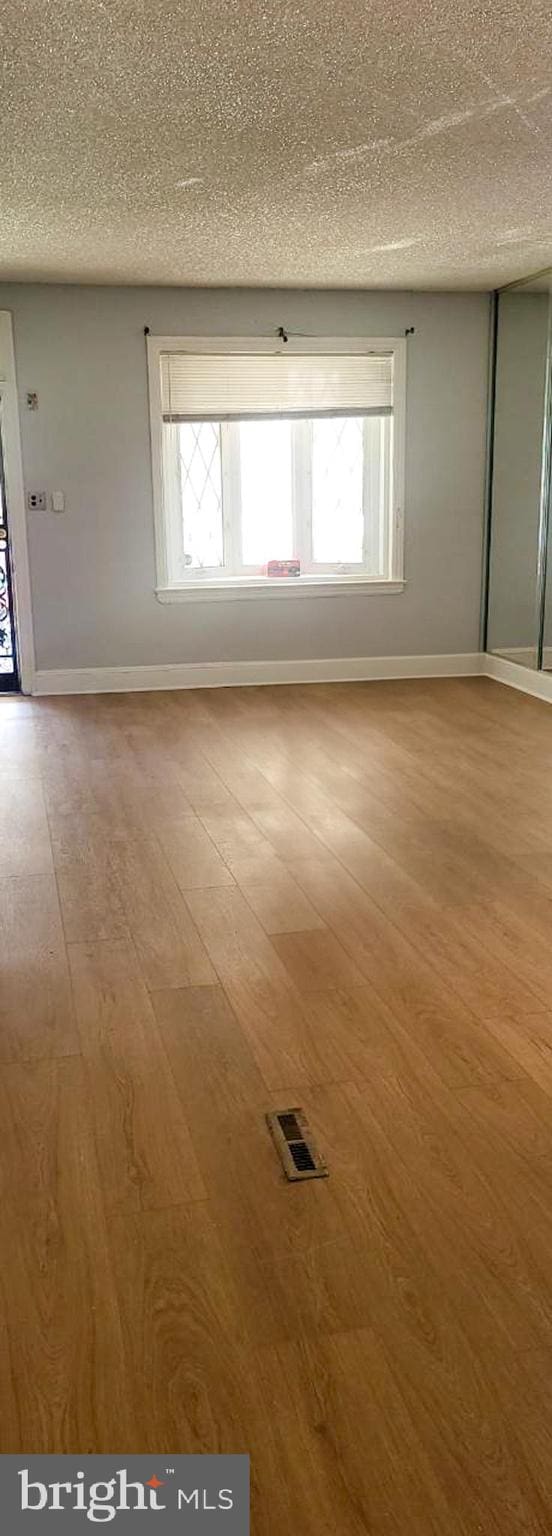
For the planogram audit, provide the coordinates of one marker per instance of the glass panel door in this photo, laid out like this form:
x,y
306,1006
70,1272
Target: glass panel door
x,y
8,659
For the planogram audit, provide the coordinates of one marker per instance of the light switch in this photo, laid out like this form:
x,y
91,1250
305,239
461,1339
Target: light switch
x,y
58,501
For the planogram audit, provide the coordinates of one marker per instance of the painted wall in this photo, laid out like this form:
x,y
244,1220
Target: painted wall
x,y
519,413
92,568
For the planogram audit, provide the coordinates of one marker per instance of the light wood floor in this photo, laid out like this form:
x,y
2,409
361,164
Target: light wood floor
x,y
213,904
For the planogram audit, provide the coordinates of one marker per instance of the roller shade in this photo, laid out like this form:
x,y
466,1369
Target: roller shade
x,y
208,387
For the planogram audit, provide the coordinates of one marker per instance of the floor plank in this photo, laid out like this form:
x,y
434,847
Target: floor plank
x,y
169,946
405,979
317,960
318,1393
144,1148
235,941
91,906
68,1372
316,1037
278,902
182,1330
192,855
25,847
36,1011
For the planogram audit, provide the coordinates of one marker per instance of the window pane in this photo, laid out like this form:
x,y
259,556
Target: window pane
x,y
266,491
201,492
337,490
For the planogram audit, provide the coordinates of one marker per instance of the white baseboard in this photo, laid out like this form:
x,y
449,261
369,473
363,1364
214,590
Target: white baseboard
x,y
239,674
539,684
525,655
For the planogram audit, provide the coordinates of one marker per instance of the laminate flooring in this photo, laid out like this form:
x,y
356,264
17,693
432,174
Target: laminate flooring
x,y
217,903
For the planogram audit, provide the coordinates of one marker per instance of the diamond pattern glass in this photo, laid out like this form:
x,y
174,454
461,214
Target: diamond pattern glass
x,y
201,491
337,490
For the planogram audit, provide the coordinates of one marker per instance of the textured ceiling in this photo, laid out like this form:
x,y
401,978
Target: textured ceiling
x,y
362,143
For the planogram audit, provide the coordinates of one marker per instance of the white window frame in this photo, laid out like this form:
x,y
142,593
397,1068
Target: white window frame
x,y
317,580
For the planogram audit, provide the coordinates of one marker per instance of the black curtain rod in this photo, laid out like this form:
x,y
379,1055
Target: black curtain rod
x,y
302,335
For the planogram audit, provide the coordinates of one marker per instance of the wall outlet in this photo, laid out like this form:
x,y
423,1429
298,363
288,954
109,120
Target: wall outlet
x,y
36,501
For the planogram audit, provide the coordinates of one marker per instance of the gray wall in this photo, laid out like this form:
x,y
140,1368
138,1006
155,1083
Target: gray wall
x,y
519,413
92,569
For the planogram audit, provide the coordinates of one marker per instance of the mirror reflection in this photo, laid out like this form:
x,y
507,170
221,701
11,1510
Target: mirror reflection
x,y
515,590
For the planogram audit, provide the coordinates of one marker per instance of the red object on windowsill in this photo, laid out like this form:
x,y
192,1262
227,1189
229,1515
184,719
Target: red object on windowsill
x,y
283,568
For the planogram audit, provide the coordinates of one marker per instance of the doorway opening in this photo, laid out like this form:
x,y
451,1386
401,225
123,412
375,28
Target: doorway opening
x,y
9,670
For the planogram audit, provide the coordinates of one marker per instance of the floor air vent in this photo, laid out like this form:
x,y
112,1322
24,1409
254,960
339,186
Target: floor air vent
x,y
294,1140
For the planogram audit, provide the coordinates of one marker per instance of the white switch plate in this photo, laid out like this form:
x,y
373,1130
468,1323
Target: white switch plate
x,y
58,501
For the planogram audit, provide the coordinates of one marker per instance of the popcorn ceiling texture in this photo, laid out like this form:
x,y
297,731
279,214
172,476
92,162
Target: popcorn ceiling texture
x,y
361,143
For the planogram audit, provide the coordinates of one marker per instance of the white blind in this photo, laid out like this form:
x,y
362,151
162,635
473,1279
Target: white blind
x,y
205,387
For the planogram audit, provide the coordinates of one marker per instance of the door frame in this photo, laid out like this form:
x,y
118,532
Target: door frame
x,y
15,504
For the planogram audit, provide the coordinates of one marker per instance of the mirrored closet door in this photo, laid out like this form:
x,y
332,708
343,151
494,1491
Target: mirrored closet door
x,y
519,622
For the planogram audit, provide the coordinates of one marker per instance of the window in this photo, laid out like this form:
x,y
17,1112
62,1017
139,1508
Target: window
x,y
276,468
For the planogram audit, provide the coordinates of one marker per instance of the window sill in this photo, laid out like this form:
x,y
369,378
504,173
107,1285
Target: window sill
x,y
235,589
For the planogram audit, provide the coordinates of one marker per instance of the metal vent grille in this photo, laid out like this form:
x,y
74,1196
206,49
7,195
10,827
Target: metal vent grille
x,y
295,1143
